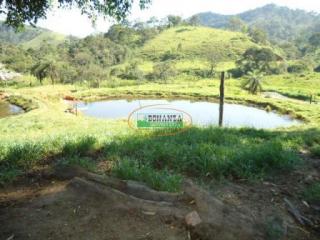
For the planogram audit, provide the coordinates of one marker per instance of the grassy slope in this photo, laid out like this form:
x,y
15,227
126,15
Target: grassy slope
x,y
297,86
47,36
197,41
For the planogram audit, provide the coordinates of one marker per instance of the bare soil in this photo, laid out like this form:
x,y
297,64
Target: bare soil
x,y
78,206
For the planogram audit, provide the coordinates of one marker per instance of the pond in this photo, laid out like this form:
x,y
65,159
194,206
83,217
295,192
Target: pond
x,y
7,109
202,113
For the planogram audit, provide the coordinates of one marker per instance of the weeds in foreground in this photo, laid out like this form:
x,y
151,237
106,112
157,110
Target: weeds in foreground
x,y
315,150
162,161
161,180
209,153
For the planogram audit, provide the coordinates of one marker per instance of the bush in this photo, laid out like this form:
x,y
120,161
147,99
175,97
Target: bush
x,y
132,72
236,72
317,69
163,71
298,68
169,55
202,73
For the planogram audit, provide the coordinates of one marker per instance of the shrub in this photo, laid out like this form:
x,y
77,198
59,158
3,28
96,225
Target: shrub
x,y
132,72
317,69
169,55
163,71
298,68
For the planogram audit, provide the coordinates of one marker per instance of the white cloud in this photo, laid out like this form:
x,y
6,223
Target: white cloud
x,y
72,22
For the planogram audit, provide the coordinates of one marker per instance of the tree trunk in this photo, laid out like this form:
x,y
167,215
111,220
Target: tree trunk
x,y
221,99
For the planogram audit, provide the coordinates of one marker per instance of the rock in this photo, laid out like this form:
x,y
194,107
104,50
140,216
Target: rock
x,y
6,75
193,219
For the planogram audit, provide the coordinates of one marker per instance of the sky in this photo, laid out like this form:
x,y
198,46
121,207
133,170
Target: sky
x,y
71,22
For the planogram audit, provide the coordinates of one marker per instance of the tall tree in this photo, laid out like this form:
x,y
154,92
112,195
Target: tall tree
x,y
257,59
20,11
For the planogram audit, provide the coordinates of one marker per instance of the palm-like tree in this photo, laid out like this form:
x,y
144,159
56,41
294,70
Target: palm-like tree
x,y
254,82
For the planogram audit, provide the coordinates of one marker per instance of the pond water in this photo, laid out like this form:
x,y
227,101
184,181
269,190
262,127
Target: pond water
x,y
7,109
202,113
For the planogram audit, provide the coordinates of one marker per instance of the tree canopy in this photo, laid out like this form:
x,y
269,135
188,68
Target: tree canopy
x,y
18,12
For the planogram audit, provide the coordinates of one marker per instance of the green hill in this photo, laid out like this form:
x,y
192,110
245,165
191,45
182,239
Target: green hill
x,y
49,37
197,42
29,37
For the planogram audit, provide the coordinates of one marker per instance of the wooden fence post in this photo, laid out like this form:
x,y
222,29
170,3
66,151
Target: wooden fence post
x,y
221,99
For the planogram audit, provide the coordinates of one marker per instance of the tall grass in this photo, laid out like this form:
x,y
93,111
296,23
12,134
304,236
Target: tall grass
x,y
209,153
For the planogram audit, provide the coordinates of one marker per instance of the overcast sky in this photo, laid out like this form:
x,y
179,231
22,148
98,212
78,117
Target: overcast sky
x,y
73,23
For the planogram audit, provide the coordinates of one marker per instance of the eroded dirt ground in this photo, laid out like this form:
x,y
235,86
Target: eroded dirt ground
x,y
42,208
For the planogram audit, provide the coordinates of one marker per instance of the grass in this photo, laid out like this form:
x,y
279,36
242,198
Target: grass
x,y
210,153
274,228
26,104
84,162
315,150
47,133
312,193
227,44
49,37
162,180
295,86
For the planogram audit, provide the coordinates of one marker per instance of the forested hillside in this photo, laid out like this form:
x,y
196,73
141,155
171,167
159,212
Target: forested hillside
x,y
162,50
280,23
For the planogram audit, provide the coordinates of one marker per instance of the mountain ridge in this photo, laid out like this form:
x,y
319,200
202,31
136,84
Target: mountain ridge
x,y
279,22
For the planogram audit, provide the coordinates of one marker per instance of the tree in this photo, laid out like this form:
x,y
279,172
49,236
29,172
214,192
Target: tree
x,y
48,69
163,71
258,35
254,82
19,12
194,20
174,20
236,24
257,59
213,60
314,40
